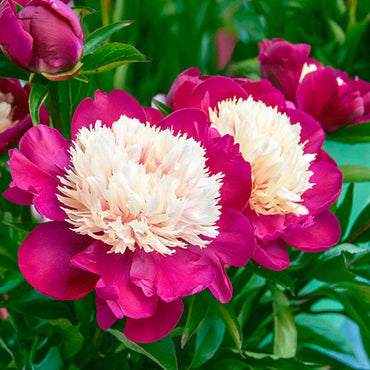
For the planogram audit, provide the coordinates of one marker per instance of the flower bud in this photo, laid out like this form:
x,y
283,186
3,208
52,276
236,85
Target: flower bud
x,y
44,37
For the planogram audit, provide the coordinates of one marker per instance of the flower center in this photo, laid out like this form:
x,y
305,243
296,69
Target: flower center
x,y
6,112
271,144
134,186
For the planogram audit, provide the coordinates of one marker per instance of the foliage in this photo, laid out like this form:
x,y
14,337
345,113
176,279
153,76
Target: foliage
x,y
313,315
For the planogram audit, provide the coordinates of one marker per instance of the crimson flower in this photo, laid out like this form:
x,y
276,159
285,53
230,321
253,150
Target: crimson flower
x,y
15,119
44,37
293,180
330,96
145,210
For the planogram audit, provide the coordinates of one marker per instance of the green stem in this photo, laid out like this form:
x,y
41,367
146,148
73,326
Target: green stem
x,y
53,98
105,6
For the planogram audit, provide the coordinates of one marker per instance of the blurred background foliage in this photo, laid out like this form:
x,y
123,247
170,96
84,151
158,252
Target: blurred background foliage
x,y
315,314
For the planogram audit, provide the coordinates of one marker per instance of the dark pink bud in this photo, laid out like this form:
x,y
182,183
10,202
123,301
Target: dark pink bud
x,y
45,36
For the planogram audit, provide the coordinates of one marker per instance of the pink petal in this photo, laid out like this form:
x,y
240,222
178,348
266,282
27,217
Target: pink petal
x,y
104,315
47,149
153,115
114,270
235,243
224,156
281,62
31,178
44,260
16,195
328,185
106,108
273,255
315,90
322,235
221,287
312,134
213,90
182,87
263,90
189,121
157,326
16,42
171,277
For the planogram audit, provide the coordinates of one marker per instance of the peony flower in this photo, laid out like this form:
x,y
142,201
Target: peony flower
x,y
145,210
293,180
23,3
330,96
44,37
14,114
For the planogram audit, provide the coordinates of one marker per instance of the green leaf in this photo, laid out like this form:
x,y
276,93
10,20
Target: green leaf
x,y
285,331
279,277
360,231
343,212
337,31
361,265
10,70
318,330
37,96
83,11
209,338
359,133
52,361
164,109
97,38
12,279
72,338
110,56
161,352
227,315
196,314
355,173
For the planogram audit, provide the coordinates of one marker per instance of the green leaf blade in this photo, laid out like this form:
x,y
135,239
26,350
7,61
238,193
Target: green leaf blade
x,y
111,56
99,36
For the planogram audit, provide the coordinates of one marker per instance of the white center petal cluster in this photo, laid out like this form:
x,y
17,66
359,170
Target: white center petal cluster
x,y
271,143
134,186
6,112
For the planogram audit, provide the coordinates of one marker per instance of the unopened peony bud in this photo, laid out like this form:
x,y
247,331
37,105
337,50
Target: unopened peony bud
x,y
44,37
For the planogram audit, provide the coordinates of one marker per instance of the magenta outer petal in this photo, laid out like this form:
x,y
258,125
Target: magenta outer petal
x,y
11,136
47,149
208,93
323,234
16,195
106,108
236,242
328,179
153,116
281,62
264,91
44,260
30,178
315,90
273,255
221,288
114,271
16,42
311,131
171,277
182,87
157,326
224,156
104,314
189,121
